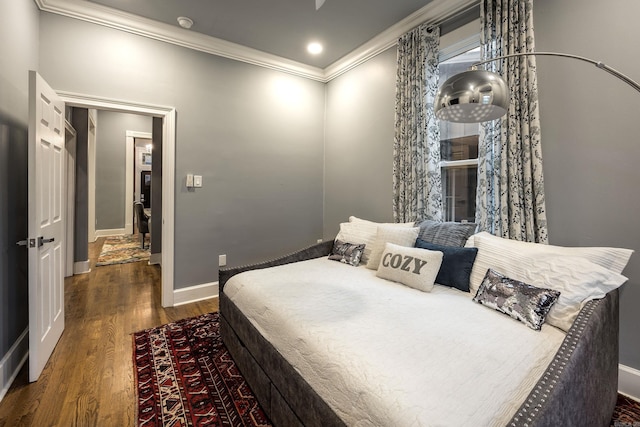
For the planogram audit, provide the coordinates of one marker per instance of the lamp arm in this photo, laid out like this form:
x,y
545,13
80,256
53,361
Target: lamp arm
x,y
601,65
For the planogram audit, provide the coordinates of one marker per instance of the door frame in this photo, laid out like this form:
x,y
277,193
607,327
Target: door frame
x,y
128,181
168,115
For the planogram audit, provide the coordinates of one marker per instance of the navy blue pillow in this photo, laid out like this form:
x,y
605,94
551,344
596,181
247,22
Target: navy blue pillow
x,y
456,264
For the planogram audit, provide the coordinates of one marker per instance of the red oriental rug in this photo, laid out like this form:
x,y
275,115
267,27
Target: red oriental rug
x,y
186,377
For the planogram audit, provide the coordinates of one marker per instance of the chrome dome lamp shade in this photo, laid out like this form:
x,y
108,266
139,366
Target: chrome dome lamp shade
x,y
471,97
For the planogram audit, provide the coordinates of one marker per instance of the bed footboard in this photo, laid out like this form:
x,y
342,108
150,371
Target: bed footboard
x,y
580,386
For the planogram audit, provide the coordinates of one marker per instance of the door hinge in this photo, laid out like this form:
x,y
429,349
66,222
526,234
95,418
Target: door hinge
x,y
31,243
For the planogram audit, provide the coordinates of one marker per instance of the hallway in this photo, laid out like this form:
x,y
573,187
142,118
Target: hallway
x,y
89,379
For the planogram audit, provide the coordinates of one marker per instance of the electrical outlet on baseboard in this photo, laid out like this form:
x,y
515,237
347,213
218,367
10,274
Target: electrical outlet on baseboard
x,y
222,260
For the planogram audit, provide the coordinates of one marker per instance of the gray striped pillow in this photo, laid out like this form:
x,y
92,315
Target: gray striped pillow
x,y
446,233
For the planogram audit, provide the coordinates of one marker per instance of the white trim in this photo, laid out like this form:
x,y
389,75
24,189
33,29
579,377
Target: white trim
x,y
168,115
131,135
458,163
195,293
82,267
433,13
111,232
13,361
629,381
155,259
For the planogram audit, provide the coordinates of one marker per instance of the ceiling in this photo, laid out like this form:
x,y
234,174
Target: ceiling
x,y
271,33
281,27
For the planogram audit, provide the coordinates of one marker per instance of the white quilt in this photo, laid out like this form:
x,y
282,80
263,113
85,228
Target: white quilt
x,y
383,354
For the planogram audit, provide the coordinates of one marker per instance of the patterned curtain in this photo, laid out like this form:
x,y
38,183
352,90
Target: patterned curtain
x,y
417,188
510,198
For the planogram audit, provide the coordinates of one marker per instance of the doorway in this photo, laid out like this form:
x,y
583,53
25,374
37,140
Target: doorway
x,y
168,115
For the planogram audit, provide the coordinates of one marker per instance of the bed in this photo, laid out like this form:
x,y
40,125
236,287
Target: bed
x,y
319,341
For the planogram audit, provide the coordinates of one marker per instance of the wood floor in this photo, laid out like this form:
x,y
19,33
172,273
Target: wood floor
x,y
89,379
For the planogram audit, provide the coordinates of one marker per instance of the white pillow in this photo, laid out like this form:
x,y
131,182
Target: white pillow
x,y
567,270
390,234
578,280
413,267
495,251
362,231
354,233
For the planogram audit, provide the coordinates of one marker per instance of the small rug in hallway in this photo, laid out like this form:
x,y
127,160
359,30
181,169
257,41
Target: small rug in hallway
x,y
186,377
123,249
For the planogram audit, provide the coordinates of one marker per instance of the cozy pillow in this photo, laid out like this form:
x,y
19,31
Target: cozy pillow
x,y
446,233
457,264
347,253
413,267
519,300
390,234
362,231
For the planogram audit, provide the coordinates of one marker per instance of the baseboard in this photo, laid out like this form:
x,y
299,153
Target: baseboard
x,y
112,232
629,381
155,259
13,361
81,267
195,293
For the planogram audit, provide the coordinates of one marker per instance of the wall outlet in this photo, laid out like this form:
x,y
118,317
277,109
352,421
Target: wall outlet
x,y
319,241
222,260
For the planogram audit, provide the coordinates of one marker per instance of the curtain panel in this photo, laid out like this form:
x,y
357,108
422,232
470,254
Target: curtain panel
x,y
510,197
417,188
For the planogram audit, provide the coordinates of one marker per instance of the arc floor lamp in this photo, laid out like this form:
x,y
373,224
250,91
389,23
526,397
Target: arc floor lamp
x,y
475,96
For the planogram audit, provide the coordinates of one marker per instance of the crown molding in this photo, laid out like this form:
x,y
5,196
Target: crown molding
x,y
434,12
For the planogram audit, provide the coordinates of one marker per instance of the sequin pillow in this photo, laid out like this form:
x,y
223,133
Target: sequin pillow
x,y
523,302
347,253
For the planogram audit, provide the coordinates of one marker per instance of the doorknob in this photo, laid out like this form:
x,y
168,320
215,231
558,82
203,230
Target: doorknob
x,y
42,240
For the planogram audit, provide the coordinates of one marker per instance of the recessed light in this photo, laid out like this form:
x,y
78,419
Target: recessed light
x,y
314,48
185,22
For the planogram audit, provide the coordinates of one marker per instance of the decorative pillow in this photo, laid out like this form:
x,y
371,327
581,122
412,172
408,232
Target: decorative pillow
x,y
362,231
457,264
413,267
347,253
512,257
577,279
446,233
519,300
390,234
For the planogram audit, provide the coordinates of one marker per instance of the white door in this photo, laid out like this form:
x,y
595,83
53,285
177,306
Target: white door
x,y
46,222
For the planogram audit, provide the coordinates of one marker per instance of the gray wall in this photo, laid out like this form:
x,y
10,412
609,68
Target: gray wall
x,y
359,143
111,150
255,135
590,136
18,54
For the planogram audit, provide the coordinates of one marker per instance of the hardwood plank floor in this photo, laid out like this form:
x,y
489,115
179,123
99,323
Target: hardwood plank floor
x,y
89,379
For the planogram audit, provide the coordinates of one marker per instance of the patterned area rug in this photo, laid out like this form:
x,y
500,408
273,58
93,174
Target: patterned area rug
x,y
123,249
186,377
627,413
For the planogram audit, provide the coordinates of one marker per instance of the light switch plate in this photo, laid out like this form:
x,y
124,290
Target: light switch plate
x,y
197,181
189,180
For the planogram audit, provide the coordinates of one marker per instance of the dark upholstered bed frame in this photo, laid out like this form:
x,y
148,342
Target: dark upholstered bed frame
x,y
578,388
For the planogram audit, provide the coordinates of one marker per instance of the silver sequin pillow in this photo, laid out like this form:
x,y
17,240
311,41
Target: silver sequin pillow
x,y
526,303
347,253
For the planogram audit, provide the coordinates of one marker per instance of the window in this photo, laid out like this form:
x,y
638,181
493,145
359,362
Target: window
x,y
459,151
